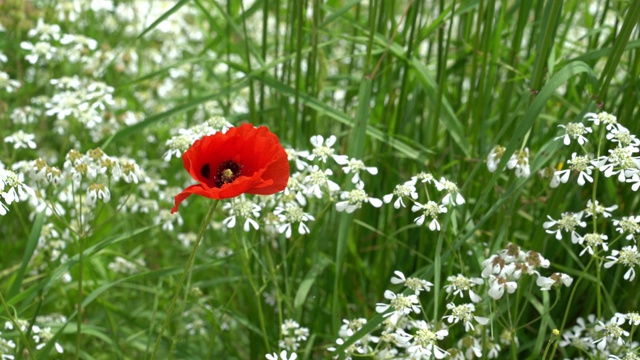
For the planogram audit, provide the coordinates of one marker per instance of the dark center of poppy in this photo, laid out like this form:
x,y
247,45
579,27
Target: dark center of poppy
x,y
226,172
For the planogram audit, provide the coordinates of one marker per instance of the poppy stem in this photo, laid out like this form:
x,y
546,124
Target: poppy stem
x,y
187,270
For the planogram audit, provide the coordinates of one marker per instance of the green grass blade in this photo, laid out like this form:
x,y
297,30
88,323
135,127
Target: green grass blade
x,y
356,147
162,18
157,118
319,264
619,46
34,235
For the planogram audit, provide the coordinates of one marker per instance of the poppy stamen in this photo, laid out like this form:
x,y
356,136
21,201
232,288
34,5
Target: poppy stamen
x,y
227,172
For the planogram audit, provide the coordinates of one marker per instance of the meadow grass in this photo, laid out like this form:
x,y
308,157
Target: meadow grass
x,y
493,214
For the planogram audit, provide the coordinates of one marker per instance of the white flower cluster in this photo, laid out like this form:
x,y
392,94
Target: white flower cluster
x,y
40,335
282,356
12,189
401,335
604,338
622,161
504,269
627,226
124,266
78,189
519,161
80,99
292,334
7,83
51,250
428,210
180,142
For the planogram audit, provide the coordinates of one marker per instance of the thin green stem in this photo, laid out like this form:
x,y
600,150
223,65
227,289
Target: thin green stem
x,y
566,312
256,291
187,270
79,322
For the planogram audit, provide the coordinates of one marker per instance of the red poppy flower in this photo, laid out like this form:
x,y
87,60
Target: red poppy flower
x,y
242,160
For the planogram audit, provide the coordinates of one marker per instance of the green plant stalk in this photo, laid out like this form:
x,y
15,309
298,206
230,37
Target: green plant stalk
x,y
594,216
619,45
551,15
298,68
566,312
185,298
81,237
187,270
256,291
252,98
273,274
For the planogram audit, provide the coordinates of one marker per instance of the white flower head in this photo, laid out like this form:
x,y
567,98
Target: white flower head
x,y
177,145
592,241
494,157
464,313
317,180
452,195
323,149
12,189
39,52
355,167
583,164
459,284
400,304
407,189
609,120
629,225
45,32
288,215
424,177
621,161
20,139
352,200
97,191
243,208
597,209
622,137
612,331
575,131
423,342
429,210
567,223
298,157
627,256
282,356
555,280
9,85
498,285
520,161
413,283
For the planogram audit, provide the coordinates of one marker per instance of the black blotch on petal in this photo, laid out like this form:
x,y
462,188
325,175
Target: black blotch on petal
x,y
205,171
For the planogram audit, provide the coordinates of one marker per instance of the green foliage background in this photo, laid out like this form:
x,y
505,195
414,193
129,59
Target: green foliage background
x,y
423,86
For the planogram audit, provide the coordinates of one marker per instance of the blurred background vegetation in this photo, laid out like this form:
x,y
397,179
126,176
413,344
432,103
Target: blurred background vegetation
x,y
406,86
